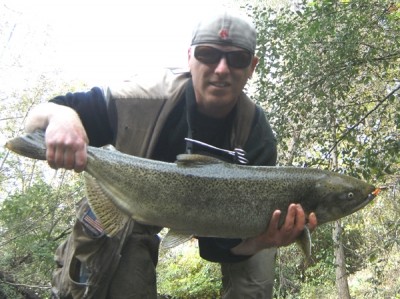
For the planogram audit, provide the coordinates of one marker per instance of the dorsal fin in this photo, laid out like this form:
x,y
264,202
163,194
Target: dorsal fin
x,y
196,160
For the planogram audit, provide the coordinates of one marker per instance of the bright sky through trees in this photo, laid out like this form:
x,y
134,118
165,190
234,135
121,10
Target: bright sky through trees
x,y
92,40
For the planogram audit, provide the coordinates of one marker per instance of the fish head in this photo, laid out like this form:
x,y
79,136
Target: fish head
x,y
338,196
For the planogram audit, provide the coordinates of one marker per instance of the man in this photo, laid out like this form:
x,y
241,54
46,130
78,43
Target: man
x,y
152,120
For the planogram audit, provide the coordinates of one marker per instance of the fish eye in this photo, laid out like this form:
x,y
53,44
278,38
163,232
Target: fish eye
x,y
350,195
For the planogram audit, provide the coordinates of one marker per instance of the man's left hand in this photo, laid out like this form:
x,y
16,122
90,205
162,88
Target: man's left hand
x,y
277,236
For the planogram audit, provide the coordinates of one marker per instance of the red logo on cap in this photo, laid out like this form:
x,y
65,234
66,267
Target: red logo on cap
x,y
224,33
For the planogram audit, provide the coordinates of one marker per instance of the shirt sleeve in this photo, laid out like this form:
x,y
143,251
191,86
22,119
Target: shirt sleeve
x,y
92,110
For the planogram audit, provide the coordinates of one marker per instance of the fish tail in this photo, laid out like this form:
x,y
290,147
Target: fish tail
x,y
31,145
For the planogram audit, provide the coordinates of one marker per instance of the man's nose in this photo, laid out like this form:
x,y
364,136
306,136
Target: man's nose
x,y
222,66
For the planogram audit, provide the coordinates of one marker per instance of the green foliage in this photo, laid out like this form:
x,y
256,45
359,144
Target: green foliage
x,y
32,224
323,77
36,203
328,78
183,274
293,273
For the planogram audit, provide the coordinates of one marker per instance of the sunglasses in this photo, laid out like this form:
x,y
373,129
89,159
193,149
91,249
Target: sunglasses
x,y
236,59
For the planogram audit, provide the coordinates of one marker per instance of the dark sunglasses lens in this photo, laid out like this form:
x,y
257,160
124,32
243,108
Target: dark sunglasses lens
x,y
210,55
238,59
207,55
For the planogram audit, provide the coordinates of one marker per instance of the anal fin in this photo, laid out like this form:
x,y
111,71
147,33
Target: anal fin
x,y
173,239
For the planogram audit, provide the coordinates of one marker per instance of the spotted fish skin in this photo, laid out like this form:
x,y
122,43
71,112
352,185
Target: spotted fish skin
x,y
203,196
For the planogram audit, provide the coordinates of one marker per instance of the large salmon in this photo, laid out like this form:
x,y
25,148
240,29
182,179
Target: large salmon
x,y
203,196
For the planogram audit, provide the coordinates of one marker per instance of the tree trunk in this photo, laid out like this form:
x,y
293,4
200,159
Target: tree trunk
x,y
340,262
342,285
292,146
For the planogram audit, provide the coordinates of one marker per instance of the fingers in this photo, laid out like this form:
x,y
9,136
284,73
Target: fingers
x,y
274,222
312,222
81,159
290,220
67,153
65,157
300,219
292,227
277,234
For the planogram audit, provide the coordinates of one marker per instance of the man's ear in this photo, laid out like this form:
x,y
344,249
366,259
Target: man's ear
x,y
189,53
254,63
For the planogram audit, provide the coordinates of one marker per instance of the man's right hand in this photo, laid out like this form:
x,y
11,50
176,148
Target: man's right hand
x,y
66,139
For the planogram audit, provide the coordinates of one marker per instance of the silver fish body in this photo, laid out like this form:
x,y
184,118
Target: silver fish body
x,y
203,196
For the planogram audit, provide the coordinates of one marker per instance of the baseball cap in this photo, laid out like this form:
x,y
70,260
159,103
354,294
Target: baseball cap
x,y
226,28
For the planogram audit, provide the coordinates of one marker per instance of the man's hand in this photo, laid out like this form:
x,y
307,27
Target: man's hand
x,y
66,139
275,236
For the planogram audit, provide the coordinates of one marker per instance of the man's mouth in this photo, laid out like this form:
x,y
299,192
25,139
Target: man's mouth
x,y
220,84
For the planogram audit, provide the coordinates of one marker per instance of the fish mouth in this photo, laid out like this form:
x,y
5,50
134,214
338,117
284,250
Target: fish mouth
x,y
369,198
376,192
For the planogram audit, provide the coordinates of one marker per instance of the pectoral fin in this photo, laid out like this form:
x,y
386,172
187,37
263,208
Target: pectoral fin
x,y
110,217
304,241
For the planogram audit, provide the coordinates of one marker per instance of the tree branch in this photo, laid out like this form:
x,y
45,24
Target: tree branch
x,y
20,288
362,119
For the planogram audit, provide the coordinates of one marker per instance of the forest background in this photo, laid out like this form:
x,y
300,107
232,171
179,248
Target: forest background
x,y
328,80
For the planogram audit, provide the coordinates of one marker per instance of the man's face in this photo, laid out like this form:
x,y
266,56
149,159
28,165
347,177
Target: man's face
x,y
218,84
